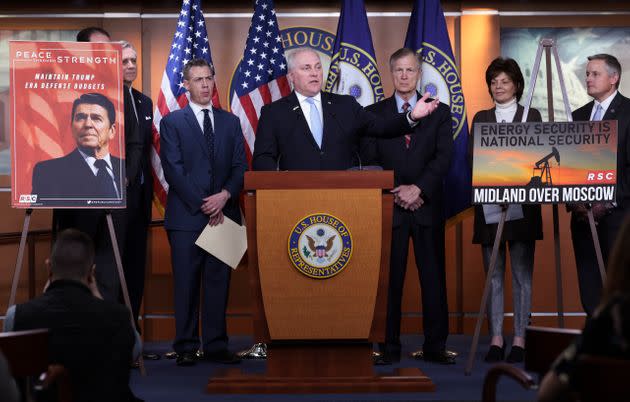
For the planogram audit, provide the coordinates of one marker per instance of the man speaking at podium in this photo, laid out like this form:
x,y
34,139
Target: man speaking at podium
x,y
311,130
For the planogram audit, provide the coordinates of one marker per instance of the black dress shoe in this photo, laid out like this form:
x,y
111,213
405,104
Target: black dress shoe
x,y
150,356
170,355
222,356
186,359
495,354
380,360
441,357
517,355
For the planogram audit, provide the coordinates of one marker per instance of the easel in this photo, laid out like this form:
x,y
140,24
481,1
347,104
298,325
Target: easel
x,y
121,275
548,45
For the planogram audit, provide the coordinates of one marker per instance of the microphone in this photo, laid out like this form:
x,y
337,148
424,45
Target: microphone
x,y
361,167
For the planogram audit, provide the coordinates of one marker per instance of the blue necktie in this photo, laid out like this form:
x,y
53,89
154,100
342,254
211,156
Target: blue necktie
x,y
598,113
316,123
105,182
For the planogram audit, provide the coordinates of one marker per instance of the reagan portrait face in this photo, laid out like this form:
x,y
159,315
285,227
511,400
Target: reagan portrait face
x,y
92,129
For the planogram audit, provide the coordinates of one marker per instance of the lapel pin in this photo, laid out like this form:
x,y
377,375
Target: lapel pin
x,y
295,108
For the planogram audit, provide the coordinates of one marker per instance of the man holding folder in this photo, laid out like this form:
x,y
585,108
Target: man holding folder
x,y
203,158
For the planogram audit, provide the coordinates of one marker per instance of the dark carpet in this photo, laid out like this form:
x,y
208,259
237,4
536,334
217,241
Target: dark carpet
x,y
167,382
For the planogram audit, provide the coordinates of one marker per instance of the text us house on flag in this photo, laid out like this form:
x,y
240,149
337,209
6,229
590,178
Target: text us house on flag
x,y
353,69
261,74
189,41
427,35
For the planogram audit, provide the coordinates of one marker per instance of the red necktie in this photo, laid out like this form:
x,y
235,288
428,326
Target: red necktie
x,y
405,108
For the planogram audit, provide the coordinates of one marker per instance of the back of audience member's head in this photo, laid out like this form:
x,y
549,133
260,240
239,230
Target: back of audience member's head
x,y
618,278
85,35
72,256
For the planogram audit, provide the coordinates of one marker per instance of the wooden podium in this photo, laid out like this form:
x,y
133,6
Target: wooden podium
x,y
319,321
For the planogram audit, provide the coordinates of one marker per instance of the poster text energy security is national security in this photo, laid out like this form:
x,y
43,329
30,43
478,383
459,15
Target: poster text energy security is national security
x,y
523,163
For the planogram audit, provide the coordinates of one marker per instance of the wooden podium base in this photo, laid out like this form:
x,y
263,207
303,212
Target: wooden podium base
x,y
319,368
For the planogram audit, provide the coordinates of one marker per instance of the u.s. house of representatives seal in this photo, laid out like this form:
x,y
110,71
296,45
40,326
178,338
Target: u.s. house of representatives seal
x,y
320,246
440,78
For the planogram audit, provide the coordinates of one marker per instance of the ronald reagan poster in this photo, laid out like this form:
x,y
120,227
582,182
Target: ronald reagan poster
x,y
67,125
541,163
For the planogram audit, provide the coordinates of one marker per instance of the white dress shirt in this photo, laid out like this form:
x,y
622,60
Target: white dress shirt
x,y
198,111
108,160
605,104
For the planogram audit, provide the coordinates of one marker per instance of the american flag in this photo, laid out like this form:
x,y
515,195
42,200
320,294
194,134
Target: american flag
x,y
190,41
261,75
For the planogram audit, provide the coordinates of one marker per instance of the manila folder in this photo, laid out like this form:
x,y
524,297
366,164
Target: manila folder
x,y
227,241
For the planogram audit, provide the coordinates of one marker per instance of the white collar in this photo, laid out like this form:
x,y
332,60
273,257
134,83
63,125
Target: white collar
x,y
91,159
400,101
606,102
302,98
196,108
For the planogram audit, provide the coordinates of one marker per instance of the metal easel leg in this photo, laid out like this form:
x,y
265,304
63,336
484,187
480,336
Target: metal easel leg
x,y
123,282
20,257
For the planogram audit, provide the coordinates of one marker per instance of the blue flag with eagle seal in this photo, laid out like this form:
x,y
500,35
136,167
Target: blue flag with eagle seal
x,y
353,68
427,35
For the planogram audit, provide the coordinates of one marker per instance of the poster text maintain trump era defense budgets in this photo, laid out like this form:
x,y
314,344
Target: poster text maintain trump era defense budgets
x,y
67,125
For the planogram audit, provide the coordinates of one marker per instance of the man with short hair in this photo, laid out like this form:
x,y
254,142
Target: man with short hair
x,y
603,74
203,158
79,321
93,34
138,123
420,162
313,130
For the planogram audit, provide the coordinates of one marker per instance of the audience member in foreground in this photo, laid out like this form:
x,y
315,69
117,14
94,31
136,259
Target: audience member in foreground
x,y
607,332
90,337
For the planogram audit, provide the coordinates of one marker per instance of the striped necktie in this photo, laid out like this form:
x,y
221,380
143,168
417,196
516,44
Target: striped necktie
x,y
405,108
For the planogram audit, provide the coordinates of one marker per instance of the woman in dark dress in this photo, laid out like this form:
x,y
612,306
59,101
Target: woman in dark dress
x,y
522,229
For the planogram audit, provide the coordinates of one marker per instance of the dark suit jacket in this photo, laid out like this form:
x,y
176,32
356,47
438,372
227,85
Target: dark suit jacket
x,y
92,338
528,228
133,141
424,164
619,110
284,140
140,194
187,167
70,176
